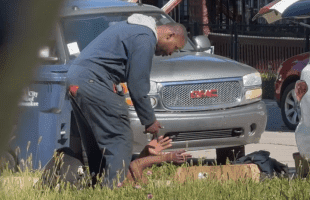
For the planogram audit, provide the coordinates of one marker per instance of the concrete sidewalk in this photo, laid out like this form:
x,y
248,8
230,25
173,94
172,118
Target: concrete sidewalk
x,y
280,145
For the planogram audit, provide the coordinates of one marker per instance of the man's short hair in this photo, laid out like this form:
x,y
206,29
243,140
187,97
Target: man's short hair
x,y
179,29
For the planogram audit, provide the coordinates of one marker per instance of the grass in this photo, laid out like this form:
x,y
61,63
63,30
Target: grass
x,y
275,188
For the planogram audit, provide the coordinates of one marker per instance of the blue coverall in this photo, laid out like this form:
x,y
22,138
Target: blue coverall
x,y
121,53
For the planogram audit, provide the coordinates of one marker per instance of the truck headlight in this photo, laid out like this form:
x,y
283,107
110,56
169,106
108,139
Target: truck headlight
x,y
252,79
153,87
153,101
253,94
153,90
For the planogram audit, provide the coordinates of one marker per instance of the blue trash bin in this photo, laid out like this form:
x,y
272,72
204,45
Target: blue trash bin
x,y
44,114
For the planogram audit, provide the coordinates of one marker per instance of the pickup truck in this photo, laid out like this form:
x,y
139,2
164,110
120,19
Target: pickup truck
x,y
204,101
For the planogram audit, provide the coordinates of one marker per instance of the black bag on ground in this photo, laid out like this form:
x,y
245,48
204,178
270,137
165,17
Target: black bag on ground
x,y
65,166
267,165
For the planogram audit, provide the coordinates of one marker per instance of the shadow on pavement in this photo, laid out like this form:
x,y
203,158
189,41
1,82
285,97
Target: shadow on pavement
x,y
274,120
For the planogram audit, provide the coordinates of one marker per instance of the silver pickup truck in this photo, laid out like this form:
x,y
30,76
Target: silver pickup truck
x,y
204,101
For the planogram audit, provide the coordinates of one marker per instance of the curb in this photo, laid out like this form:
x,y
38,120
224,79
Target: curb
x,y
270,102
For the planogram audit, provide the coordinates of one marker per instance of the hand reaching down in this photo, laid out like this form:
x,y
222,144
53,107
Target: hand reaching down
x,y
153,128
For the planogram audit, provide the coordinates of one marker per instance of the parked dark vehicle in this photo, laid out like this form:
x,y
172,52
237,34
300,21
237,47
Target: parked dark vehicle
x,y
203,100
287,75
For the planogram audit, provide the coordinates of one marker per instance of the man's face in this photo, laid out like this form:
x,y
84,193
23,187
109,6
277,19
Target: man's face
x,y
169,44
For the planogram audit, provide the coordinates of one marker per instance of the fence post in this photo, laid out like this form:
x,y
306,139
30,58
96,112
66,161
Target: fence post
x,y
307,40
236,56
196,29
243,16
232,41
227,18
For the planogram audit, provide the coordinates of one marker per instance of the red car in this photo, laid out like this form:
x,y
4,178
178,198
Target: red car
x,y
287,75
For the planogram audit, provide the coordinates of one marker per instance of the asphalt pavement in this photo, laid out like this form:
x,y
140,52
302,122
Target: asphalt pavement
x,y
277,139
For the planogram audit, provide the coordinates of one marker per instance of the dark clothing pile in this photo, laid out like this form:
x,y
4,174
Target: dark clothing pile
x,y
268,166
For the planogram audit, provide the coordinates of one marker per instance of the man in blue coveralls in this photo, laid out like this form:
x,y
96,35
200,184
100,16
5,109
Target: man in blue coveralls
x,y
121,53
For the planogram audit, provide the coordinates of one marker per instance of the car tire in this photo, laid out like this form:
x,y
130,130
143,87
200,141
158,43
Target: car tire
x,y
290,109
232,153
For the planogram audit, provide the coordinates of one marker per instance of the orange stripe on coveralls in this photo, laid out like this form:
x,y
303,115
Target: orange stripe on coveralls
x,y
73,89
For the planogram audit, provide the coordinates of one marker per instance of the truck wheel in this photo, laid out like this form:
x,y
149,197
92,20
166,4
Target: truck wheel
x,y
7,159
232,153
290,109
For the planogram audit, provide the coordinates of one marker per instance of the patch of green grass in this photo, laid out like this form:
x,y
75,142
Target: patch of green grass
x,y
161,185
275,188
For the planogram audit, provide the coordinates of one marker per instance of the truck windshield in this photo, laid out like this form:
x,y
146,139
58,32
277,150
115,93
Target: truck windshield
x,y
79,31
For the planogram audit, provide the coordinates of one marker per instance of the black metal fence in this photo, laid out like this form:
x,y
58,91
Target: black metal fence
x,y
263,47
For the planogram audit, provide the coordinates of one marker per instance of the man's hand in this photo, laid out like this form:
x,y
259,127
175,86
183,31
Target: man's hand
x,y
153,129
177,157
155,147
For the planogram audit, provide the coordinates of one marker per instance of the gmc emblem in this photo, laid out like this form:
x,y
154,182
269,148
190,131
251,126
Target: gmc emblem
x,y
203,94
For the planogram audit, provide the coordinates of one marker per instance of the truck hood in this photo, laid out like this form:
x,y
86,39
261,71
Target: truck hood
x,y
184,66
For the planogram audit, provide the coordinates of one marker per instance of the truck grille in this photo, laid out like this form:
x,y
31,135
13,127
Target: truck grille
x,y
178,96
201,135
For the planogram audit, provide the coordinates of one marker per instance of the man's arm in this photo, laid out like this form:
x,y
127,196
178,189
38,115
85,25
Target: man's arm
x,y
138,76
137,166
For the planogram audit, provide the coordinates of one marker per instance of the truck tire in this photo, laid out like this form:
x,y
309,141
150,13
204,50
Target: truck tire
x,y
290,109
232,153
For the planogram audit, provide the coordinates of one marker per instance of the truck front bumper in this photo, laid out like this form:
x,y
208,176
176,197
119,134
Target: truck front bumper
x,y
206,129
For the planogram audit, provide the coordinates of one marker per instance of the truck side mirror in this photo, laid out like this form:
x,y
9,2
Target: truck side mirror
x,y
46,55
202,43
